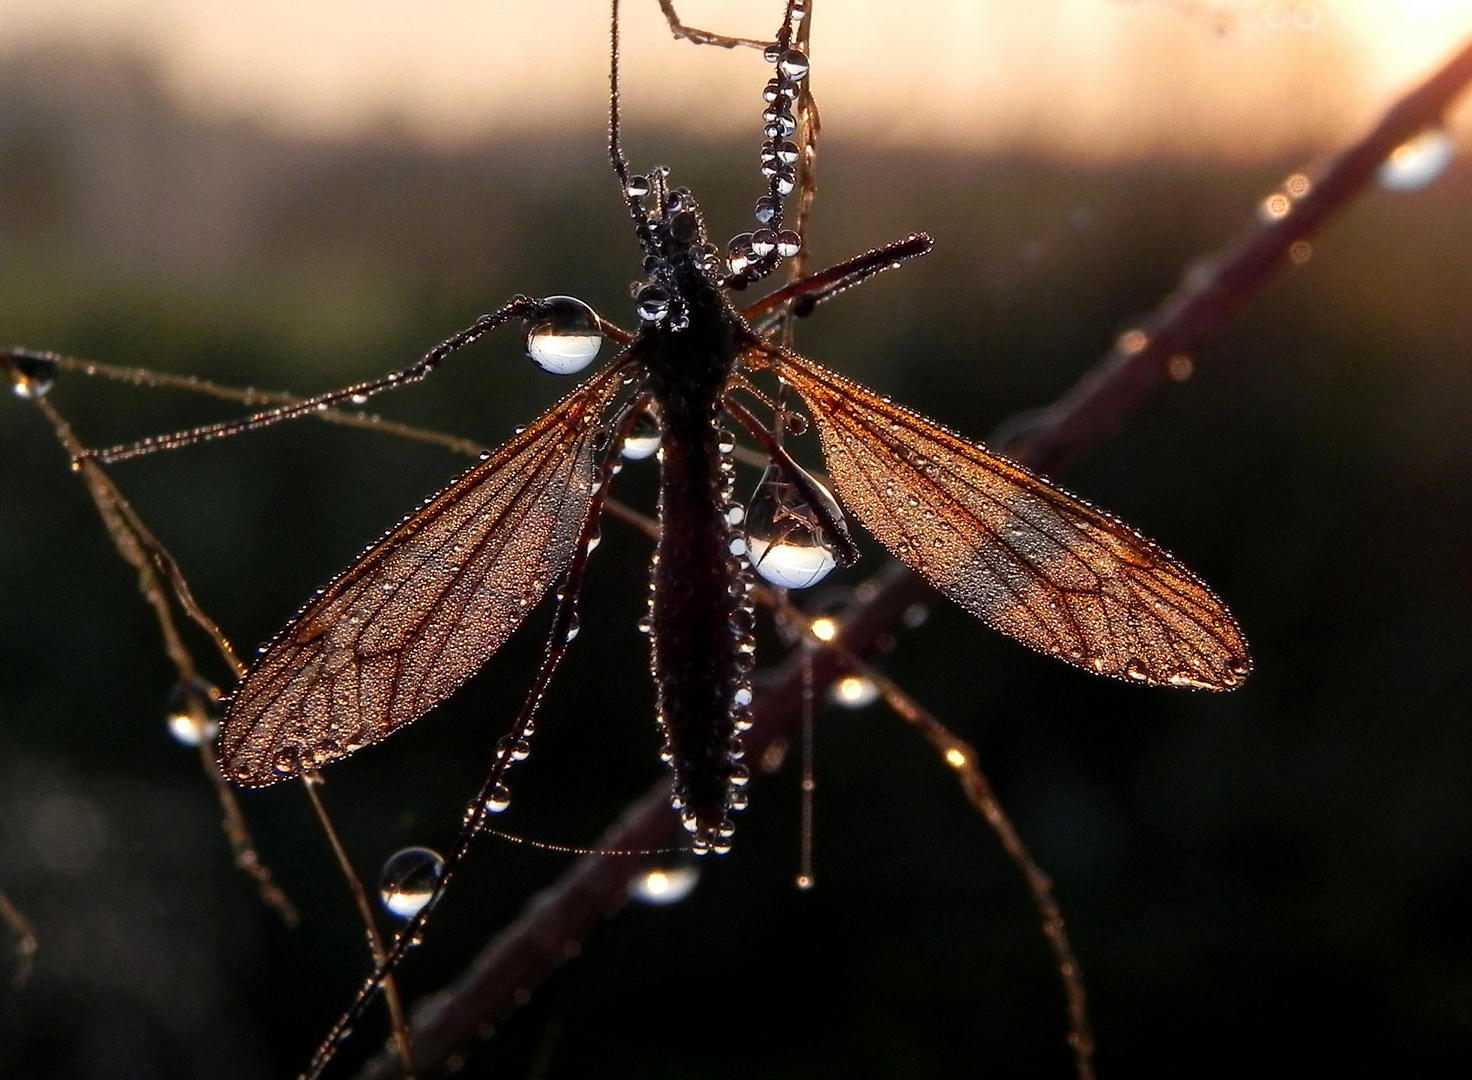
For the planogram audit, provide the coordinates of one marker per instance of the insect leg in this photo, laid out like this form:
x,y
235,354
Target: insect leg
x,y
807,293
518,307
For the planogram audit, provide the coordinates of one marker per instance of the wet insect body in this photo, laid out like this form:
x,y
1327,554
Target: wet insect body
x,y
421,610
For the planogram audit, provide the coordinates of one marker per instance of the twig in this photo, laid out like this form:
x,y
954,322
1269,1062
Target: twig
x,y
26,942
696,36
1217,288
554,922
402,1042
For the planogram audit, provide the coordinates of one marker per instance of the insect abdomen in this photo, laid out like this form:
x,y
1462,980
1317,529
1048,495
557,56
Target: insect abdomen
x,y
699,620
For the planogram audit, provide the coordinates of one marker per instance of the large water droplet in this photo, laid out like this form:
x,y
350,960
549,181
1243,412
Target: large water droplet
x,y
643,438
1417,161
195,711
788,536
31,375
664,884
408,880
498,799
652,303
792,65
566,338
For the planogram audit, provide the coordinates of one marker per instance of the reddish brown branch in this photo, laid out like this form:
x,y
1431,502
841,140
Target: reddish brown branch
x,y
1217,288
554,922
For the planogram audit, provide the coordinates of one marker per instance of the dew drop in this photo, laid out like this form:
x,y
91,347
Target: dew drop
x,y
643,438
853,692
1137,671
787,152
788,243
638,187
652,303
763,243
785,180
738,253
1417,161
513,749
793,65
780,125
498,799
664,884
287,760
788,537
408,880
358,399
766,209
195,710
566,338
31,375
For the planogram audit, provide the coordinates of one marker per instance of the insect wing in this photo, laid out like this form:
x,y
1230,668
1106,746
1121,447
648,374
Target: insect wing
x,y
424,607
1030,559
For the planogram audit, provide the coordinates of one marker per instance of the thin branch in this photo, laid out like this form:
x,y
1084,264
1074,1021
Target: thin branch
x,y
155,566
554,922
403,1044
696,36
26,941
1216,289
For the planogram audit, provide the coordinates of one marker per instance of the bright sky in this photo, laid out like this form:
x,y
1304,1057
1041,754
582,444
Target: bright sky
x,y
1100,78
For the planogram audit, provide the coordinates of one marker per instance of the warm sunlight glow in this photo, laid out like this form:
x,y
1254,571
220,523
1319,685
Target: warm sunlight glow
x,y
1103,79
955,758
824,629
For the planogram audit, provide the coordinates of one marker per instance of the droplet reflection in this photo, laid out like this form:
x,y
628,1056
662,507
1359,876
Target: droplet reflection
x,y
853,692
566,339
664,884
1417,161
408,880
195,709
643,439
789,535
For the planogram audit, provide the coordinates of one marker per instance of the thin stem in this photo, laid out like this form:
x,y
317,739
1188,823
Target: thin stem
x,y
403,1045
26,942
962,757
155,566
517,307
696,36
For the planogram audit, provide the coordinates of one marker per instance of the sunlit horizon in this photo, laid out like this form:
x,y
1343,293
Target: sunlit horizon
x,y
1095,79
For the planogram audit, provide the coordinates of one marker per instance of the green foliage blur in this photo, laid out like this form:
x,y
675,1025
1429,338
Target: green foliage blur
x,y
1287,867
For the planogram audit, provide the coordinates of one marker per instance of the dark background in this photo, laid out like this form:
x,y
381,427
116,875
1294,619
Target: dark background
x,y
1275,880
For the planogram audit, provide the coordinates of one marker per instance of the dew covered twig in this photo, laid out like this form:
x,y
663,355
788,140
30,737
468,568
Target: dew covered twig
x,y
1219,286
159,576
696,36
554,922
400,1037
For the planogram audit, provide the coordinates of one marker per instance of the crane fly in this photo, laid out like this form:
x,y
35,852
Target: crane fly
x,y
421,610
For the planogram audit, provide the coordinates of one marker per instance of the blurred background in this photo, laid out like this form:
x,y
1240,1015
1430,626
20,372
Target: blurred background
x,y
298,196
